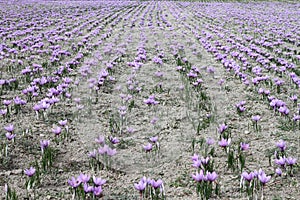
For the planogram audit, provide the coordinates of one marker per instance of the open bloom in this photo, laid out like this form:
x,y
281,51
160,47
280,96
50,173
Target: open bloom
x,y
30,172
156,184
248,177
211,176
198,177
281,145
224,142
9,128
148,147
264,178
74,183
98,181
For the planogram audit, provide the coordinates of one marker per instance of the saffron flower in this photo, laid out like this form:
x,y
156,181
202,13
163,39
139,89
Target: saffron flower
x,y
30,172
281,145
10,136
98,181
211,176
244,146
44,144
222,128
256,118
156,184
84,178
74,183
264,178
198,177
248,176
56,130
148,147
224,143
9,128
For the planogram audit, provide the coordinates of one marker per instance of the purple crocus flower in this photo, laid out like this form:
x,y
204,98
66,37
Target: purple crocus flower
x,y
256,118
87,188
84,178
156,184
140,186
92,154
10,136
63,122
74,183
281,145
224,142
44,144
9,128
278,171
154,139
114,140
30,172
290,161
264,178
197,163
97,191
244,146
100,139
280,161
222,128
198,177
56,130
111,152
148,147
211,176
98,181
248,176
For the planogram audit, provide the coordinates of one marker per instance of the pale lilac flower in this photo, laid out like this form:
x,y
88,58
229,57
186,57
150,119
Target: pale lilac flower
x,y
114,140
222,128
244,146
280,161
154,139
290,161
63,122
156,184
224,142
278,171
92,154
111,152
84,178
211,176
97,191
87,188
9,128
198,177
264,178
10,136
281,145
148,147
256,118
44,144
98,181
140,186
56,130
74,183
100,139
248,177
30,172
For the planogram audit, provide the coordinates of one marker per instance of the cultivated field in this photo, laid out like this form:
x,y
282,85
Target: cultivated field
x,y
149,100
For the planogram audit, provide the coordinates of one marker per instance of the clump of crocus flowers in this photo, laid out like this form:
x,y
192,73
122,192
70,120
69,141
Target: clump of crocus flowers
x,y
205,176
84,187
254,182
150,188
